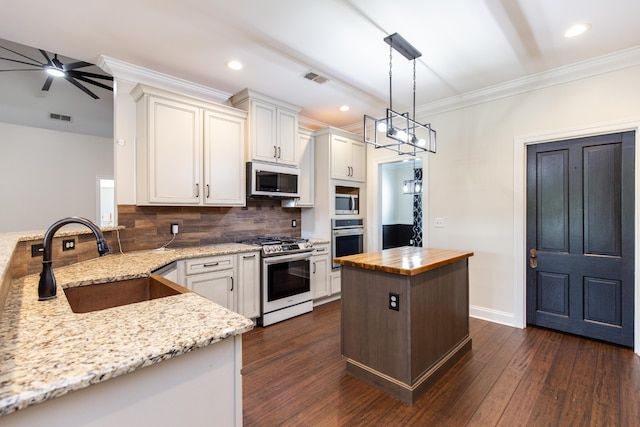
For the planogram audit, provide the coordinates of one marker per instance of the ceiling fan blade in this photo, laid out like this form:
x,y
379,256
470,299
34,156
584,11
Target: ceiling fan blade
x,y
19,54
79,86
86,80
46,56
76,73
47,83
22,69
37,64
75,65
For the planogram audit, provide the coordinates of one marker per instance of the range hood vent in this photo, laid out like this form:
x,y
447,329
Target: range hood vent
x,y
314,77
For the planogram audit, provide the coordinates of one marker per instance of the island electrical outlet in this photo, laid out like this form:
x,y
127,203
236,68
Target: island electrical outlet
x,y
394,301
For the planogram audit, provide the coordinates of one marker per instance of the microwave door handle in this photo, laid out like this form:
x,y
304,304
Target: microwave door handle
x,y
350,203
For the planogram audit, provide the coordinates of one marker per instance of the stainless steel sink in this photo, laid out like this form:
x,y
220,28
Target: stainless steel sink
x,y
84,299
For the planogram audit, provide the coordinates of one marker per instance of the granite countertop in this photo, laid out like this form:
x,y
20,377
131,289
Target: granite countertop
x,y
46,350
406,260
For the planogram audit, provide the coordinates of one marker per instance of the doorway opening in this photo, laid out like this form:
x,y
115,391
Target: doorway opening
x,y
401,203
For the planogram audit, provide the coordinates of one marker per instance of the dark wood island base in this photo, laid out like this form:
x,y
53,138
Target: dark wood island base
x,y
405,317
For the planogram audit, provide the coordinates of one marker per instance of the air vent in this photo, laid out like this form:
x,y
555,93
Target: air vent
x,y
315,77
61,117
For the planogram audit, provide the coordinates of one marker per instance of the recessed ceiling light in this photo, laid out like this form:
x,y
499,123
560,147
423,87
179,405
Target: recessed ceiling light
x,y
234,65
576,30
344,108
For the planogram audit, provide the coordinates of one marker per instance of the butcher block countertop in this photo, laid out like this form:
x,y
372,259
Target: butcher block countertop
x,y
46,350
405,260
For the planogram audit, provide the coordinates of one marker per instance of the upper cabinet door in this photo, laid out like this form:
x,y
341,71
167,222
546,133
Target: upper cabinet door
x,y
287,125
272,128
173,148
224,171
264,132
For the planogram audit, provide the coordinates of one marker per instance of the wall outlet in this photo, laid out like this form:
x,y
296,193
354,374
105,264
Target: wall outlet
x,y
294,223
37,250
394,301
174,228
68,245
440,222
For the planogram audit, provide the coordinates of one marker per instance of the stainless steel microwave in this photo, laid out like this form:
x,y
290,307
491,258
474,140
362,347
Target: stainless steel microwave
x,y
267,180
347,204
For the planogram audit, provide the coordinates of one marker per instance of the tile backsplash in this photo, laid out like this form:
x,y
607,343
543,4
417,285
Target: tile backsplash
x,y
148,227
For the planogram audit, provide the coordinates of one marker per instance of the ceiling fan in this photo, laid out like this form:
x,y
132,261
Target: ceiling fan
x,y
56,69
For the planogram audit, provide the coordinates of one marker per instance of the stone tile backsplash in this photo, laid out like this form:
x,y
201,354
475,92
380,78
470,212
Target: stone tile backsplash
x,y
148,227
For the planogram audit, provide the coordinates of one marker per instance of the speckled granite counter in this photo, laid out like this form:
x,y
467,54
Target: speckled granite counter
x,y
46,350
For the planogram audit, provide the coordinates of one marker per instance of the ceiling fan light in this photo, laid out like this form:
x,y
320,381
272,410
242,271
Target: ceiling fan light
x,y
55,72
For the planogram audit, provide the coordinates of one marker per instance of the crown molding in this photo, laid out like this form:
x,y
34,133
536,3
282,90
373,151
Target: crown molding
x,y
580,70
134,73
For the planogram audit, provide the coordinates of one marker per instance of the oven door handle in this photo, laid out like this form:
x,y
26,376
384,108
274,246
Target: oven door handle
x,y
287,258
348,232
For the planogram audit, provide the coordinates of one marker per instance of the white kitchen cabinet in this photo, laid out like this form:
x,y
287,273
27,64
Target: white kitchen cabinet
x,y
188,152
272,128
233,281
249,284
306,182
320,270
211,277
348,159
336,282
224,166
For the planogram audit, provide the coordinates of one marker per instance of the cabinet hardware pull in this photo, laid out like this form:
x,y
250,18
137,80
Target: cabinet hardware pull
x,y
279,152
249,256
321,249
211,265
275,152
208,191
231,283
197,190
314,268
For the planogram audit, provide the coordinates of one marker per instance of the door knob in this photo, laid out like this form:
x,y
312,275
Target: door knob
x,y
533,258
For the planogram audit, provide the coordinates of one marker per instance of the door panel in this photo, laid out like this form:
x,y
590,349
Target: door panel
x,y
580,233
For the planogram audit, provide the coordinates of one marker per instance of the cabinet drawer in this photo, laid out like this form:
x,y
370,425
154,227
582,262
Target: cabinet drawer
x,y
208,264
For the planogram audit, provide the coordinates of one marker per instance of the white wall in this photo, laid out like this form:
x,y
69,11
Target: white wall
x,y
47,175
471,182
396,207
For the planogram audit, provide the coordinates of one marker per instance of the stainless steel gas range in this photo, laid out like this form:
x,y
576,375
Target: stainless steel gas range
x,y
285,277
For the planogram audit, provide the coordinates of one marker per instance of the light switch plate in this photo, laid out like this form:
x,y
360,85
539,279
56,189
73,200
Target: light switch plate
x,y
440,222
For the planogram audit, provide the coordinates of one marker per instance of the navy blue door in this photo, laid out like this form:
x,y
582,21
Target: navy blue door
x,y
580,236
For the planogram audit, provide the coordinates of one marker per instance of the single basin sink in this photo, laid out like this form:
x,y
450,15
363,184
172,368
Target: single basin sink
x,y
84,299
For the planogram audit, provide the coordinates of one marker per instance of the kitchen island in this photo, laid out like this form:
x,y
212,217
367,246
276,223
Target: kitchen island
x,y
405,317
167,361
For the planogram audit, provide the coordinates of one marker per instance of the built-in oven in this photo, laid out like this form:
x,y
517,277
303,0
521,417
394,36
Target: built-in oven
x,y
347,238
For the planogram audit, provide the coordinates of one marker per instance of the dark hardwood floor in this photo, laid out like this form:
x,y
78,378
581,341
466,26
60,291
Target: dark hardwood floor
x,y
294,375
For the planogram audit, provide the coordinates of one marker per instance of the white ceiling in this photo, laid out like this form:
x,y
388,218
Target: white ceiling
x,y
466,44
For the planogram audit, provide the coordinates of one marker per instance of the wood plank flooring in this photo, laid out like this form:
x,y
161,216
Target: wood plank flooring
x,y
294,375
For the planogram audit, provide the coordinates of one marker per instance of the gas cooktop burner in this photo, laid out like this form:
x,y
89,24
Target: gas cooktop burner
x,y
276,245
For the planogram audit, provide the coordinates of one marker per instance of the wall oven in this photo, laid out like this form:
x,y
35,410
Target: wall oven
x,y
347,238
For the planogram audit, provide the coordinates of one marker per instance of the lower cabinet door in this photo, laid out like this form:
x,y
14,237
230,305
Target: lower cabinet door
x,y
217,286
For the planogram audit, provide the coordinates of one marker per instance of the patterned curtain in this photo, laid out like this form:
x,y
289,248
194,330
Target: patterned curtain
x,y
417,211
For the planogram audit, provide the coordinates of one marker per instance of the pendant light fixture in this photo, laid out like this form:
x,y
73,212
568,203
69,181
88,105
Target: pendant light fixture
x,y
409,137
